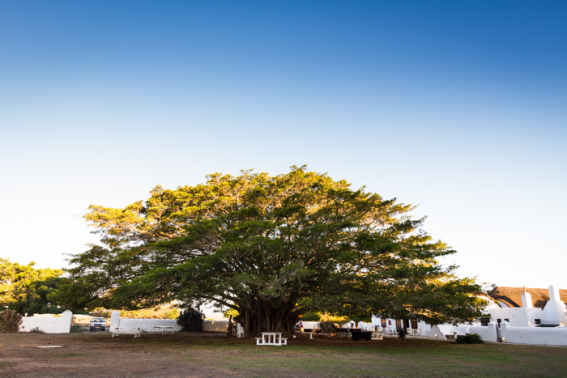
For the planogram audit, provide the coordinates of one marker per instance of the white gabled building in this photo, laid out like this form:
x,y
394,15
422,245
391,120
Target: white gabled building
x,y
511,305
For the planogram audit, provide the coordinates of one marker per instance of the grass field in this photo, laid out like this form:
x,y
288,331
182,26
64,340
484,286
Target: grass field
x,y
186,355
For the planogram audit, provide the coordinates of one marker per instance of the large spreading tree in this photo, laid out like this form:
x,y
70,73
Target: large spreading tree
x,y
272,248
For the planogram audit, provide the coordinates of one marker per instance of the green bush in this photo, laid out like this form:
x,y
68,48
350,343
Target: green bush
x,y
10,321
328,327
469,338
190,320
311,317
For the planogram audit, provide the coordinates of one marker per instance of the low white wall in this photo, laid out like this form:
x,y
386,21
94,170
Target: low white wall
x,y
312,325
488,333
439,332
53,324
534,335
148,324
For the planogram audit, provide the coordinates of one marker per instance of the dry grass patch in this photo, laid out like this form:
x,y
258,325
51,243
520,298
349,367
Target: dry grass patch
x,y
182,355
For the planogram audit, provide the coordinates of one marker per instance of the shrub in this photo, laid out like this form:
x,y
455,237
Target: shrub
x,y
469,338
402,333
311,317
328,327
190,320
10,321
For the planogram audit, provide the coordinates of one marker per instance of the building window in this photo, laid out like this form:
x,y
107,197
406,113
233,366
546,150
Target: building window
x,y
499,321
537,321
484,322
406,323
507,320
383,322
414,323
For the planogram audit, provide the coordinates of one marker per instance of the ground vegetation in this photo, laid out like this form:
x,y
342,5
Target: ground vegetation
x,y
10,321
199,355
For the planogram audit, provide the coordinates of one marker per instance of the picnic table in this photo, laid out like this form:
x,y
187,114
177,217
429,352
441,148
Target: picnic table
x,y
271,338
162,329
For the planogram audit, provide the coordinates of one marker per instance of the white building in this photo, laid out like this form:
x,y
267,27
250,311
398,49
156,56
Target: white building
x,y
513,305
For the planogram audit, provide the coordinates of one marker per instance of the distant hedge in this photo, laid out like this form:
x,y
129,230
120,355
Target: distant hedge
x,y
470,338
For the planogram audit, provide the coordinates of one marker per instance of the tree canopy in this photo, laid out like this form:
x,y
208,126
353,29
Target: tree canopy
x,y
26,289
272,248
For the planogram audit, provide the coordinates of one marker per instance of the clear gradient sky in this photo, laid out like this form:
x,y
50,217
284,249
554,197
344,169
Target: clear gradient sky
x,y
459,107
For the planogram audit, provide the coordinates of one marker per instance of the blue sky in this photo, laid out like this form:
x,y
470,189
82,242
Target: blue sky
x,y
457,106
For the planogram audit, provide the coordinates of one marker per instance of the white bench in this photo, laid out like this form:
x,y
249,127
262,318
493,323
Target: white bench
x,y
117,331
271,338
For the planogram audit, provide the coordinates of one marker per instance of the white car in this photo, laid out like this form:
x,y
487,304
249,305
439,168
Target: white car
x,y
99,323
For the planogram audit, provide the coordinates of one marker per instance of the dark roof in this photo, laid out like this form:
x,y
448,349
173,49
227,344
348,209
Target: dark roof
x,y
512,296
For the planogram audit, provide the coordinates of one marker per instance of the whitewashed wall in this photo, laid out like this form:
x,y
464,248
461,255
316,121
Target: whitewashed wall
x,y
148,325
510,334
488,333
312,325
534,335
145,325
440,332
48,324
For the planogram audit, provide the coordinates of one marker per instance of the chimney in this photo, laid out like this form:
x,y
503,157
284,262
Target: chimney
x,y
554,294
527,299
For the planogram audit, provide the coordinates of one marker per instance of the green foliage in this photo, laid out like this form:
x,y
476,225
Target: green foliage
x,y
173,313
190,320
101,313
10,321
311,317
334,319
28,290
273,248
469,338
159,312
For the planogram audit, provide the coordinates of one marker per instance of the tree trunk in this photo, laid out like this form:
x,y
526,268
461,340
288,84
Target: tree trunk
x,y
229,328
262,317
